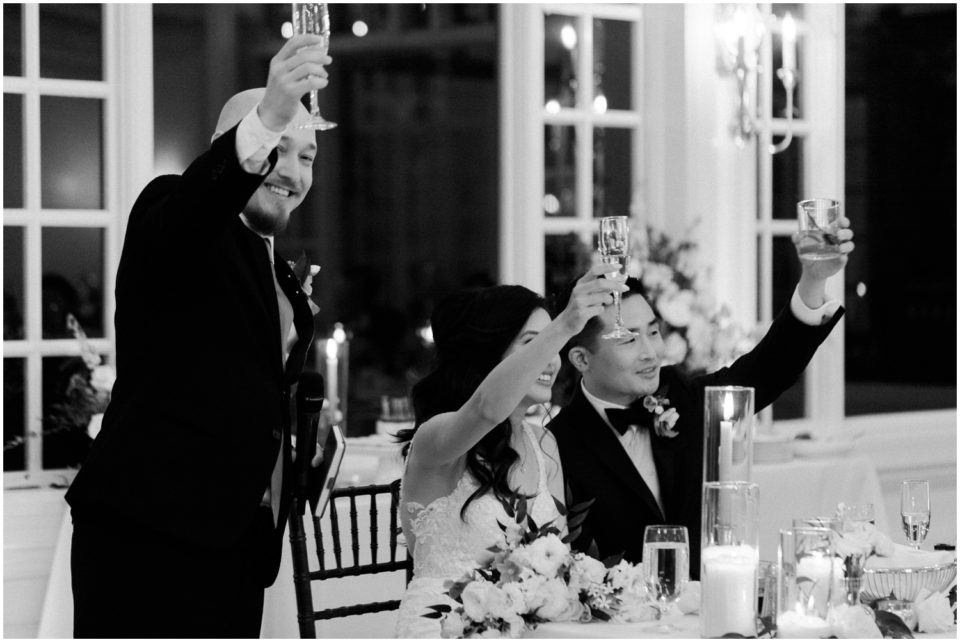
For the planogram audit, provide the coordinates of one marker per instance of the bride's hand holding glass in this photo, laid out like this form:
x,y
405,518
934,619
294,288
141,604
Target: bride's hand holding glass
x,y
298,68
590,296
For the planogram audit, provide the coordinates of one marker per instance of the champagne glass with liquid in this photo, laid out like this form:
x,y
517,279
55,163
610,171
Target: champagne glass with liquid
x,y
666,567
915,510
612,244
314,18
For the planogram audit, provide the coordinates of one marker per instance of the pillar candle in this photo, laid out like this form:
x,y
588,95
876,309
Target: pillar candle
x,y
726,451
798,626
815,593
728,591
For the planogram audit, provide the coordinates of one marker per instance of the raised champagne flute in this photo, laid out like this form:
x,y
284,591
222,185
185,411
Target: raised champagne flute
x,y
314,18
666,568
915,510
612,244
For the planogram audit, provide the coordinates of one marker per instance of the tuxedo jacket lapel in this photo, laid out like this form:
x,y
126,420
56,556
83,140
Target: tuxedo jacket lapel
x,y
609,453
302,317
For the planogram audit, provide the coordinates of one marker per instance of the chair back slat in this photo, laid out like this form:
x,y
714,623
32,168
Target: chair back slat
x,y
303,575
354,530
335,532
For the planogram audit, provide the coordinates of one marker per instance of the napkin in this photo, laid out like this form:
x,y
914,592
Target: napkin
x,y
907,557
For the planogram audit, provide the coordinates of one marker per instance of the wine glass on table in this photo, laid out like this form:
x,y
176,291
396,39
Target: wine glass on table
x,y
314,18
612,244
915,510
666,568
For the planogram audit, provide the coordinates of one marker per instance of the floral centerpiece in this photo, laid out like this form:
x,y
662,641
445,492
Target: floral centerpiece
x,y
533,576
699,334
86,397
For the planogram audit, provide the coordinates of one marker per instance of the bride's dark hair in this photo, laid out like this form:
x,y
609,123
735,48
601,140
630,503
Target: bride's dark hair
x,y
471,330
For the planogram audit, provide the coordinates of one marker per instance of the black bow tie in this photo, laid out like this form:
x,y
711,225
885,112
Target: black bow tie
x,y
633,415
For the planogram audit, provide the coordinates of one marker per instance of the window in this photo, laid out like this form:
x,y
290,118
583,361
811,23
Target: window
x,y
62,214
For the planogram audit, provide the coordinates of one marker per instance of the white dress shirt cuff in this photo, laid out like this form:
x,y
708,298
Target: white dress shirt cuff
x,y
811,316
254,143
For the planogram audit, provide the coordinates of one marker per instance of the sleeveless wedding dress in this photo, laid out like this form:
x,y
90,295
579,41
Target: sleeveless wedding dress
x,y
447,546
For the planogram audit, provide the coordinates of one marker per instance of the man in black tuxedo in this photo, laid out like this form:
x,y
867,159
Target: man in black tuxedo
x,y
179,510
640,471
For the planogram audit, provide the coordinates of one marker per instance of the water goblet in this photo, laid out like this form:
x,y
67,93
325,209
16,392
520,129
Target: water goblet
x,y
313,18
666,567
915,510
613,244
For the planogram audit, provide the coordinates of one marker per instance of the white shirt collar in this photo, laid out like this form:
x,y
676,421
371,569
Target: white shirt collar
x,y
599,404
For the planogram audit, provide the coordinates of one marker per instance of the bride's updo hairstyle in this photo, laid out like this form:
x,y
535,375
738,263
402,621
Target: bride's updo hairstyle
x,y
471,331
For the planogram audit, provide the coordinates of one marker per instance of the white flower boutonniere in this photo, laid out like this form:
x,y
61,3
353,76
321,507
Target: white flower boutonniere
x,y
664,417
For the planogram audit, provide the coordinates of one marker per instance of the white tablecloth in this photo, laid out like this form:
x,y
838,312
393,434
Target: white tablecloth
x,y
802,487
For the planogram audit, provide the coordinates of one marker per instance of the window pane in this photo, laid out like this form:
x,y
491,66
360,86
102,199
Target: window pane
x,y
12,150
560,170
786,273
900,282
12,39
560,54
612,172
612,70
13,300
14,414
788,187
71,152
565,258
72,280
71,41
66,412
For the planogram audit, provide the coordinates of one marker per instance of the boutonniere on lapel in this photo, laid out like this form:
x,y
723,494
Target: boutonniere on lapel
x,y
305,273
664,417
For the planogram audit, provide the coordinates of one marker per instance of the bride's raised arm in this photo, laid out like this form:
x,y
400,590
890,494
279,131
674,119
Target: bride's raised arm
x,y
445,437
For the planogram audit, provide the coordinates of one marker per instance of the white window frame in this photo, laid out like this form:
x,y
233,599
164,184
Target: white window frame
x,y
127,94
523,117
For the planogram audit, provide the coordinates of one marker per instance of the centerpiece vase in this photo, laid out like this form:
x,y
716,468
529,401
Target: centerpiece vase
x,y
729,559
853,577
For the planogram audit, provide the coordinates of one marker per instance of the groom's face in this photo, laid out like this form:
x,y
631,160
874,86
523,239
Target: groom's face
x,y
621,370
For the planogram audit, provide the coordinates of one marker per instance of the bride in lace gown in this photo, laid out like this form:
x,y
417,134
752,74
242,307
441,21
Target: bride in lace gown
x,y
497,355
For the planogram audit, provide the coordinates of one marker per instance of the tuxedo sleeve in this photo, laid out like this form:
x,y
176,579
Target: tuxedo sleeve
x,y
778,359
204,199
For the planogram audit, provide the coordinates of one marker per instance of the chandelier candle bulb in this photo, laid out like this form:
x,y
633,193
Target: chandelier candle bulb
x,y
789,42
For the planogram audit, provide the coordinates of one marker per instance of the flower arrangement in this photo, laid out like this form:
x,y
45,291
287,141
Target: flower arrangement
x,y
664,417
698,333
534,577
88,392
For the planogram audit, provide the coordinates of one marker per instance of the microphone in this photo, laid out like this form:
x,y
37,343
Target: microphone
x,y
309,405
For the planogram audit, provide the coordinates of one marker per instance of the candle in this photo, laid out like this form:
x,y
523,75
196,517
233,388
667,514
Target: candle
x,y
728,590
797,625
332,376
818,569
789,42
726,440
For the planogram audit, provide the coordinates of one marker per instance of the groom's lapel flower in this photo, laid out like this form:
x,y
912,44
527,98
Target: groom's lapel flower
x,y
664,417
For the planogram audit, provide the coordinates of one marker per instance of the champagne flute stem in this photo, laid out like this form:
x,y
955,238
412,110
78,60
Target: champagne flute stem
x,y
314,103
616,301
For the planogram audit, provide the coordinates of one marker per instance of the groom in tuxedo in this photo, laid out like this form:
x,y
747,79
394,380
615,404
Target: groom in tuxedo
x,y
179,510
641,467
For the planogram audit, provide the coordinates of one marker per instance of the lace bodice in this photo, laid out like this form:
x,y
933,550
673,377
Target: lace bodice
x,y
447,546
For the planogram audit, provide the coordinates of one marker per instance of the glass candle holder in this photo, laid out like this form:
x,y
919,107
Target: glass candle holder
x,y
728,426
729,557
808,580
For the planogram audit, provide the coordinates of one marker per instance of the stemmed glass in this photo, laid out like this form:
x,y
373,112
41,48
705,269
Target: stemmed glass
x,y
612,244
313,18
666,567
915,510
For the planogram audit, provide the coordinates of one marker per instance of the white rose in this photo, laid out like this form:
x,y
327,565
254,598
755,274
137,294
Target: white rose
x,y
556,598
934,613
477,599
585,571
657,276
548,554
533,591
882,545
627,577
674,348
853,622
515,600
102,378
677,308
452,625
689,600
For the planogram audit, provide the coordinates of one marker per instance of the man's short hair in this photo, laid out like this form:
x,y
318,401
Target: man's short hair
x,y
589,336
